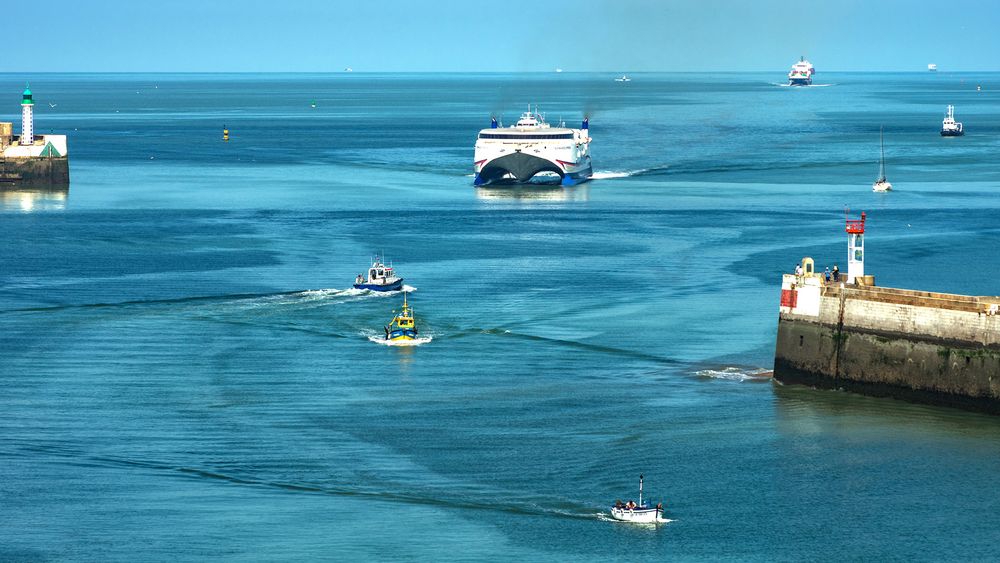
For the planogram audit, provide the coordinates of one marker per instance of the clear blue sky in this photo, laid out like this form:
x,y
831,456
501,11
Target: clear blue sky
x,y
498,35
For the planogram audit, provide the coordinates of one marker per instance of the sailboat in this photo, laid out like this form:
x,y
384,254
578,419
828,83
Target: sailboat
x,y
881,185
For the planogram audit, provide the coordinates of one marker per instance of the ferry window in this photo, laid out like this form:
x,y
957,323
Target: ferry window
x,y
526,137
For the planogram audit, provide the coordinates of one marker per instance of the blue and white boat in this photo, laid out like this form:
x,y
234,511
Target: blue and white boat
x,y
516,154
380,278
638,513
950,127
801,73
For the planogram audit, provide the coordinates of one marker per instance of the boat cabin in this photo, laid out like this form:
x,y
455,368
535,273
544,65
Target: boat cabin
x,y
404,320
379,272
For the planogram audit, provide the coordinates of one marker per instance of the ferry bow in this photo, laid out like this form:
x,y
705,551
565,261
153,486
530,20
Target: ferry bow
x,y
518,153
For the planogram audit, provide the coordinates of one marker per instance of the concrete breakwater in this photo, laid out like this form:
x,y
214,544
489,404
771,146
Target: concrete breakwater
x,y
935,348
28,159
37,171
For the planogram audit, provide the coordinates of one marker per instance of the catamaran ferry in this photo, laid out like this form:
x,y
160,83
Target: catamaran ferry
x,y
801,73
517,153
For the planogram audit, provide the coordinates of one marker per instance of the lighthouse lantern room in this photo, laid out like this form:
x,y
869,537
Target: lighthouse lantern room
x,y
855,248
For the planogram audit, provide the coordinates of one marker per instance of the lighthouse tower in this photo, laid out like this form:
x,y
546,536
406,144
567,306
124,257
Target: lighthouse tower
x,y
855,248
27,120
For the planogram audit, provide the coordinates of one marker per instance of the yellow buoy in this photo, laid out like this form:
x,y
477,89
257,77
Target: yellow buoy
x,y
225,133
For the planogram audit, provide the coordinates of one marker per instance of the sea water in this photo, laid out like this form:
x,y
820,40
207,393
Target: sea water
x,y
187,374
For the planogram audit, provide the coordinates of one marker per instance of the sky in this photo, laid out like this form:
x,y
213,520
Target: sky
x,y
498,36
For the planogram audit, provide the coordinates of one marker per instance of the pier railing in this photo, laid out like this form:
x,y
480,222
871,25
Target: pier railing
x,y
989,305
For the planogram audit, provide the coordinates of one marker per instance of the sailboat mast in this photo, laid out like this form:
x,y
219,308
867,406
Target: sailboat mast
x,y
881,165
640,490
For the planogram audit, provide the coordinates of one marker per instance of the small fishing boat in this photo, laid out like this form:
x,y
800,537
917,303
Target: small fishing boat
x,y
950,127
624,78
380,278
640,513
881,184
403,326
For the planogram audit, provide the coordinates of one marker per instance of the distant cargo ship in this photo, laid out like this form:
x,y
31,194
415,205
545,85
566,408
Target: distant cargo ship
x,y
801,73
518,153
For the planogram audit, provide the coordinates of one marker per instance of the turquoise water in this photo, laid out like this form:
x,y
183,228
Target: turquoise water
x,y
187,376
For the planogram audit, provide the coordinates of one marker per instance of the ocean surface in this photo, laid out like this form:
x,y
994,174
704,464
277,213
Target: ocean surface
x,y
186,374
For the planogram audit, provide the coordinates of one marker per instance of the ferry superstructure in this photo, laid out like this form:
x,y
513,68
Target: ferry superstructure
x,y
517,153
801,73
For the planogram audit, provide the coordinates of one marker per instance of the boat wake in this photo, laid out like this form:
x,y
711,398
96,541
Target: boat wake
x,y
608,175
786,85
314,297
244,300
415,342
377,338
736,374
370,293
604,517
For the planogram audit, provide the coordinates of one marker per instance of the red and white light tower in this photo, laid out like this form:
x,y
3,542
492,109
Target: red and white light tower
x,y
855,248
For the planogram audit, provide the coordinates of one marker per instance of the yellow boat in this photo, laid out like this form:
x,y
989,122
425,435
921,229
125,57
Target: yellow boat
x,y
403,326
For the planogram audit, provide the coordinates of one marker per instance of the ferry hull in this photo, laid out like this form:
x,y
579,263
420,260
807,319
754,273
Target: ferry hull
x,y
800,81
394,286
952,133
519,167
574,178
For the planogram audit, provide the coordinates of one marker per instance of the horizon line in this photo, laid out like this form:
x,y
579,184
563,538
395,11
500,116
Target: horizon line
x,y
778,71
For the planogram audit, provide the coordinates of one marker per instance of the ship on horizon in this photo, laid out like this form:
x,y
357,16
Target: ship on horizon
x,y
801,73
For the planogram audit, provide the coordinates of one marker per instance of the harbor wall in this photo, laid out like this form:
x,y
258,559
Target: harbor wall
x,y
34,171
935,348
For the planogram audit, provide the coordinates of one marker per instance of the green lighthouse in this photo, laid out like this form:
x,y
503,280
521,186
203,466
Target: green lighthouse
x,y
27,119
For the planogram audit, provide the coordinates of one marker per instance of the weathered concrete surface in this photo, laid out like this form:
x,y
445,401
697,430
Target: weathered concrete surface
x,y
918,346
46,171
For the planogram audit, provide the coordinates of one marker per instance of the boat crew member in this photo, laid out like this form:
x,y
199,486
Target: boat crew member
x,y
798,270
826,273
836,273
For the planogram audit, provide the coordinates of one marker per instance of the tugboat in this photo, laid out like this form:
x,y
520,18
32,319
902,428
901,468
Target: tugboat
x,y
639,513
380,278
950,127
881,184
402,326
801,73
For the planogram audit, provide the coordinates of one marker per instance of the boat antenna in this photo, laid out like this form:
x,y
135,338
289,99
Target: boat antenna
x,y
640,490
881,142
